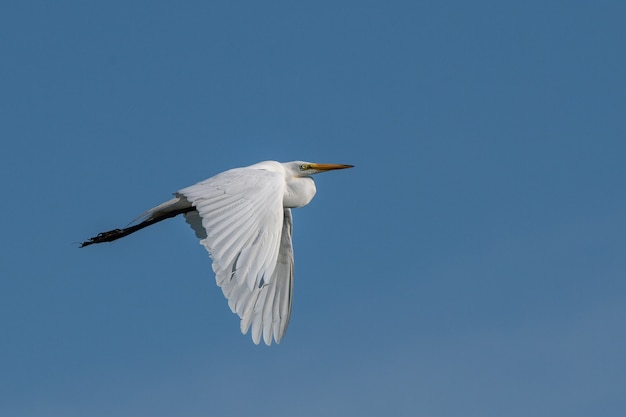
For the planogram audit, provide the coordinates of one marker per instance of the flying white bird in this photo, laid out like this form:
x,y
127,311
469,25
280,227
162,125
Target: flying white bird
x,y
243,218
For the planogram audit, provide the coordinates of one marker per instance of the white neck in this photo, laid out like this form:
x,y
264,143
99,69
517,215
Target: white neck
x,y
299,192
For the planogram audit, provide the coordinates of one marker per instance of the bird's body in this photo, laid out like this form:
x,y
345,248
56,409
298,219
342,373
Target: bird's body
x,y
243,218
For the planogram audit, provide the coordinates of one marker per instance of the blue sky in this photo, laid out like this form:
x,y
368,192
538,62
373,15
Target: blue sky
x,y
471,264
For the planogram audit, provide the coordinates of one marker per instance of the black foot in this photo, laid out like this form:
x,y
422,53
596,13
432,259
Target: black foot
x,y
104,237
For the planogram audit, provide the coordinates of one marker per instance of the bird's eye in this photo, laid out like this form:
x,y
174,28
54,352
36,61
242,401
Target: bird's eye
x,y
304,167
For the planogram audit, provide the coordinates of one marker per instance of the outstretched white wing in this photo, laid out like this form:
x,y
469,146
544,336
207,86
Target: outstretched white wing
x,y
248,234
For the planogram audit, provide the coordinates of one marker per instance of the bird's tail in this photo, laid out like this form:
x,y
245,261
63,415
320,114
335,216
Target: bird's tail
x,y
171,208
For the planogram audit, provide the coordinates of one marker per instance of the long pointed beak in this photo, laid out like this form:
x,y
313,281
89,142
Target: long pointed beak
x,y
330,167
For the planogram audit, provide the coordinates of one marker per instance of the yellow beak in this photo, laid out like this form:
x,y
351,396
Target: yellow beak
x,y
329,167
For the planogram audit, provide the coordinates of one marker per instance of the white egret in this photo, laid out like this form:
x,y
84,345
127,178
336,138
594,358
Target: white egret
x,y
243,218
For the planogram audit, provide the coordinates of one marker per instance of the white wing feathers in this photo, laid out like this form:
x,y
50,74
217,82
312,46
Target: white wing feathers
x,y
241,221
271,310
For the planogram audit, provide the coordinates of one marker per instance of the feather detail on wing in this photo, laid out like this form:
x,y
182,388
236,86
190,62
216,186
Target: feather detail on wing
x,y
270,310
240,220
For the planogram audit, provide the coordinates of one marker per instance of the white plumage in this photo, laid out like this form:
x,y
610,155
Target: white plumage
x,y
243,218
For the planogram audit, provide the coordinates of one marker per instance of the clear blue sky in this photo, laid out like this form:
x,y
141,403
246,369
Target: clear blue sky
x,y
471,264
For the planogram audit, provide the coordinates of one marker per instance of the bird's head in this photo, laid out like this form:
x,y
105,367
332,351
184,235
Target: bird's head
x,y
305,169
